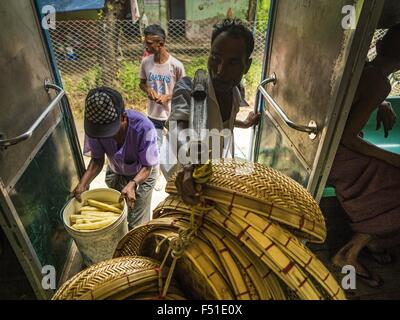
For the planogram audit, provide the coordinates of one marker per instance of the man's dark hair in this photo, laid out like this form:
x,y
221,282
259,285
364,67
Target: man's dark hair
x,y
155,30
236,28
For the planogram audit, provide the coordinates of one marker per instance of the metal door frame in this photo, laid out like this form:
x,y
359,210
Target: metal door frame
x,y
21,244
66,108
345,92
260,102
345,96
256,133
10,220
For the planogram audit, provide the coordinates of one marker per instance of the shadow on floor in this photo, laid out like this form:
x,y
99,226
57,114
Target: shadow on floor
x,y
338,233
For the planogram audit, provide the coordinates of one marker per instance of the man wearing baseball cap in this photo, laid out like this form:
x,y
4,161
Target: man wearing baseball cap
x,y
129,140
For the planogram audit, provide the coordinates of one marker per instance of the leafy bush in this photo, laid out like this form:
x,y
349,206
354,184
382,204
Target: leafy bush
x,y
128,80
90,80
252,78
194,64
128,76
262,15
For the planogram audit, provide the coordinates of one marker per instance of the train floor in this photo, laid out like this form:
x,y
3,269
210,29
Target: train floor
x,y
338,233
390,274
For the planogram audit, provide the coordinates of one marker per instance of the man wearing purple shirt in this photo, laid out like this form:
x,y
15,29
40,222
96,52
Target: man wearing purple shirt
x,y
129,140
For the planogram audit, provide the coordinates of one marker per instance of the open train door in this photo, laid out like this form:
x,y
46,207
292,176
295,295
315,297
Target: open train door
x,y
40,157
315,54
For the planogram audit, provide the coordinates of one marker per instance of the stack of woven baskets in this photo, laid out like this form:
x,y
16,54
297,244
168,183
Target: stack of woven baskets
x,y
245,241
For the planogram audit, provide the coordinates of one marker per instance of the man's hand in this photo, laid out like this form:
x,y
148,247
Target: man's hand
x,y
188,190
387,116
252,119
152,95
129,194
79,189
163,99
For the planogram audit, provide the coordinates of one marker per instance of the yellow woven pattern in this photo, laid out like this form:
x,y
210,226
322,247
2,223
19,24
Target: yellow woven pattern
x,y
266,191
262,245
244,240
243,244
207,277
127,274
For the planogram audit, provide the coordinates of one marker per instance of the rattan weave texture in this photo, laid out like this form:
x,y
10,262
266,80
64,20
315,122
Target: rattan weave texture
x,y
246,244
265,191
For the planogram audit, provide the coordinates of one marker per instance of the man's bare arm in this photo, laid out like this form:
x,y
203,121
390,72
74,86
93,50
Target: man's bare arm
x,y
386,117
142,175
151,94
359,116
251,120
184,181
94,168
164,99
129,191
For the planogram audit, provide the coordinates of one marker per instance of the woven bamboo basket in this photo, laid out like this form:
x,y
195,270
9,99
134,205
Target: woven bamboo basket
x,y
122,278
284,269
246,185
244,245
206,280
262,235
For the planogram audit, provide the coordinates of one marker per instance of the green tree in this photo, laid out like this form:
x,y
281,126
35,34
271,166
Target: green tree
x,y
109,30
262,15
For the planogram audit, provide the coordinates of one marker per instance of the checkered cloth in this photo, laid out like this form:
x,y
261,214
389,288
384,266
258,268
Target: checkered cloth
x,y
100,109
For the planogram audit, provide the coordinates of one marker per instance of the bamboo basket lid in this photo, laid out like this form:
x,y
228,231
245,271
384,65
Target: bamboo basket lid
x,y
257,275
114,279
253,186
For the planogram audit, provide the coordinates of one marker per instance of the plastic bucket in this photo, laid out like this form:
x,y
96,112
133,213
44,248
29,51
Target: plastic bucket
x,y
97,245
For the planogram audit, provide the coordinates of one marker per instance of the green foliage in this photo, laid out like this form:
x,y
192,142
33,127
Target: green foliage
x,y
262,15
252,78
128,85
90,80
193,65
77,86
69,84
128,76
100,14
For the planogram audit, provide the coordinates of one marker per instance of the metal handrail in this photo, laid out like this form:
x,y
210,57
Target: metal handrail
x,y
311,129
4,143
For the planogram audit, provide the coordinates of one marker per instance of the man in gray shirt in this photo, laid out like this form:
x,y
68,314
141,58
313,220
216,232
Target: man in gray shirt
x,y
232,44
